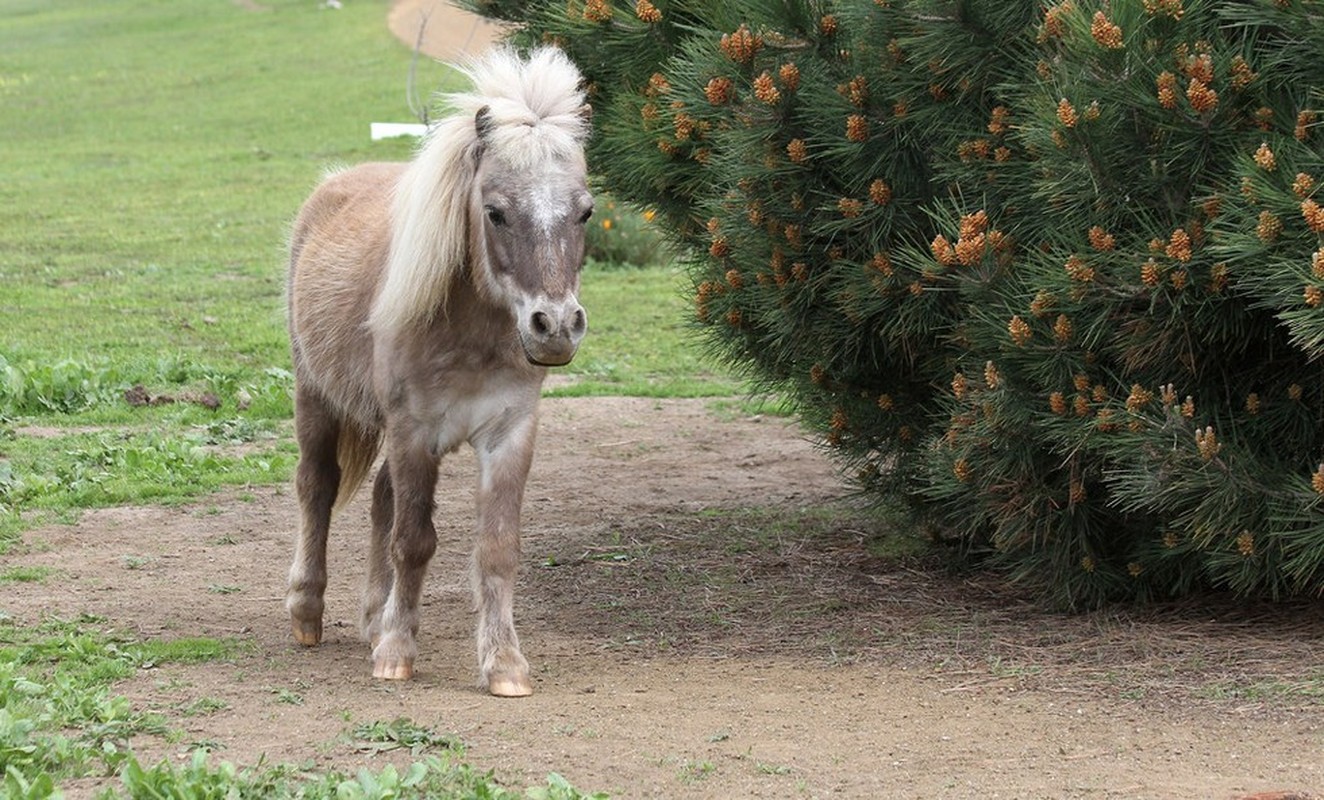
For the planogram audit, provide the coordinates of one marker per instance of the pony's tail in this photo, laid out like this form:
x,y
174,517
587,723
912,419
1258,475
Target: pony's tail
x,y
356,449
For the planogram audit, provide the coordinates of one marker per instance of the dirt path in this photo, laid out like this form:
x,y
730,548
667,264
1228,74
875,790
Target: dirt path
x,y
705,618
447,32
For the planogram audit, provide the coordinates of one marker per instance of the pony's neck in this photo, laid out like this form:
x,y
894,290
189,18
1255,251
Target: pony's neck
x,y
467,315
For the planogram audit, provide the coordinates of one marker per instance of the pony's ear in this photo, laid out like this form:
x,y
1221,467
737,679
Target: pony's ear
x,y
483,122
585,114
483,126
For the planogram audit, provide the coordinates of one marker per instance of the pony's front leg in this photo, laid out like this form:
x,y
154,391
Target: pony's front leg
x,y
413,539
503,467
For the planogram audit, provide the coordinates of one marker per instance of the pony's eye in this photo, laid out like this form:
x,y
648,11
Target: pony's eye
x,y
495,215
584,217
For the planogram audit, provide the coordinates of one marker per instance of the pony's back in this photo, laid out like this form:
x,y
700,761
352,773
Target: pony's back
x,y
338,252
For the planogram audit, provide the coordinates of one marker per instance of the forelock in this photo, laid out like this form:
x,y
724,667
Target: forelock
x,y
534,106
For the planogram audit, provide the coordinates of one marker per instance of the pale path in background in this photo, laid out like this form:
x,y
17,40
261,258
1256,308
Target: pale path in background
x,y
450,32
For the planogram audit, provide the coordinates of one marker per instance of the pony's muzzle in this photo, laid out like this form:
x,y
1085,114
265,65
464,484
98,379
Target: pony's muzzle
x,y
551,332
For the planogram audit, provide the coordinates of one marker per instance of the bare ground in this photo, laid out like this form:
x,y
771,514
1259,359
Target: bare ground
x,y
706,617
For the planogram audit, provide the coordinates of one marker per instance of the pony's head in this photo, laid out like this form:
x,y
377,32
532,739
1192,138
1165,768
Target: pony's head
x,y
521,200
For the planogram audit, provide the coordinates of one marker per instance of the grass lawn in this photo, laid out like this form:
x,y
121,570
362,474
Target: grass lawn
x,y
155,152
155,155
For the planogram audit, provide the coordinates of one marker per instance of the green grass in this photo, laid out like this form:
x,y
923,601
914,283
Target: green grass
x,y
23,574
59,719
639,341
155,155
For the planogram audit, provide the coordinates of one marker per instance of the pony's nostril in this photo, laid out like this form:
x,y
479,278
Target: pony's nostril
x,y
542,324
580,323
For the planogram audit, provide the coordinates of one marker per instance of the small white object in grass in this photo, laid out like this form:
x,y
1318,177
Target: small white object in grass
x,y
390,130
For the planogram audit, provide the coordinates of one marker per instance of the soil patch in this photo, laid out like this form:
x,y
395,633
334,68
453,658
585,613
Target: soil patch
x,y
708,615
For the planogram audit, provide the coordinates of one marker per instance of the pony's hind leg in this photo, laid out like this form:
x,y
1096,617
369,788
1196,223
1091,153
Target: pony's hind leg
x,y
317,480
413,540
503,468
380,572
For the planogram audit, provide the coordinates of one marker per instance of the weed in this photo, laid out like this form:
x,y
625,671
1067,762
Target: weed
x,y
60,387
203,707
1265,690
32,574
401,733
694,771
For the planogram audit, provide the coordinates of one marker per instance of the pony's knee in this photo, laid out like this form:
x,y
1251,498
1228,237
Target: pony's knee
x,y
414,546
496,556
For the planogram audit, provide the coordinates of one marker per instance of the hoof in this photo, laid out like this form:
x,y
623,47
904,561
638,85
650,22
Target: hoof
x,y
510,686
307,634
393,669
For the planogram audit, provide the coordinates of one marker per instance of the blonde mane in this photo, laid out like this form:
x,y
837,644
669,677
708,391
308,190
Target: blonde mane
x,y
533,116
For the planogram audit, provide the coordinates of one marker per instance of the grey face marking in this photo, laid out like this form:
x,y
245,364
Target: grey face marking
x,y
532,231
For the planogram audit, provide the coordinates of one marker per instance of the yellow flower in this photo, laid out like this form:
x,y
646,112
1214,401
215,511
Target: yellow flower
x,y
1207,443
1066,113
1179,246
790,75
742,45
1101,240
1057,403
1269,226
797,151
1314,215
1020,331
1105,32
961,469
765,90
879,192
647,12
1201,97
606,224
1167,89
1264,158
958,386
857,128
597,11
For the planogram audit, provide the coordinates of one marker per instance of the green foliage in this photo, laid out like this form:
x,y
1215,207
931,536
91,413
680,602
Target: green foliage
x,y
401,733
989,250
434,776
57,715
59,719
619,235
148,190
22,574
639,343
95,469
62,387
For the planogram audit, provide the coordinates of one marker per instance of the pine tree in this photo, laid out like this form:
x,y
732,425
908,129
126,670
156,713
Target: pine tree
x,y
1053,274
